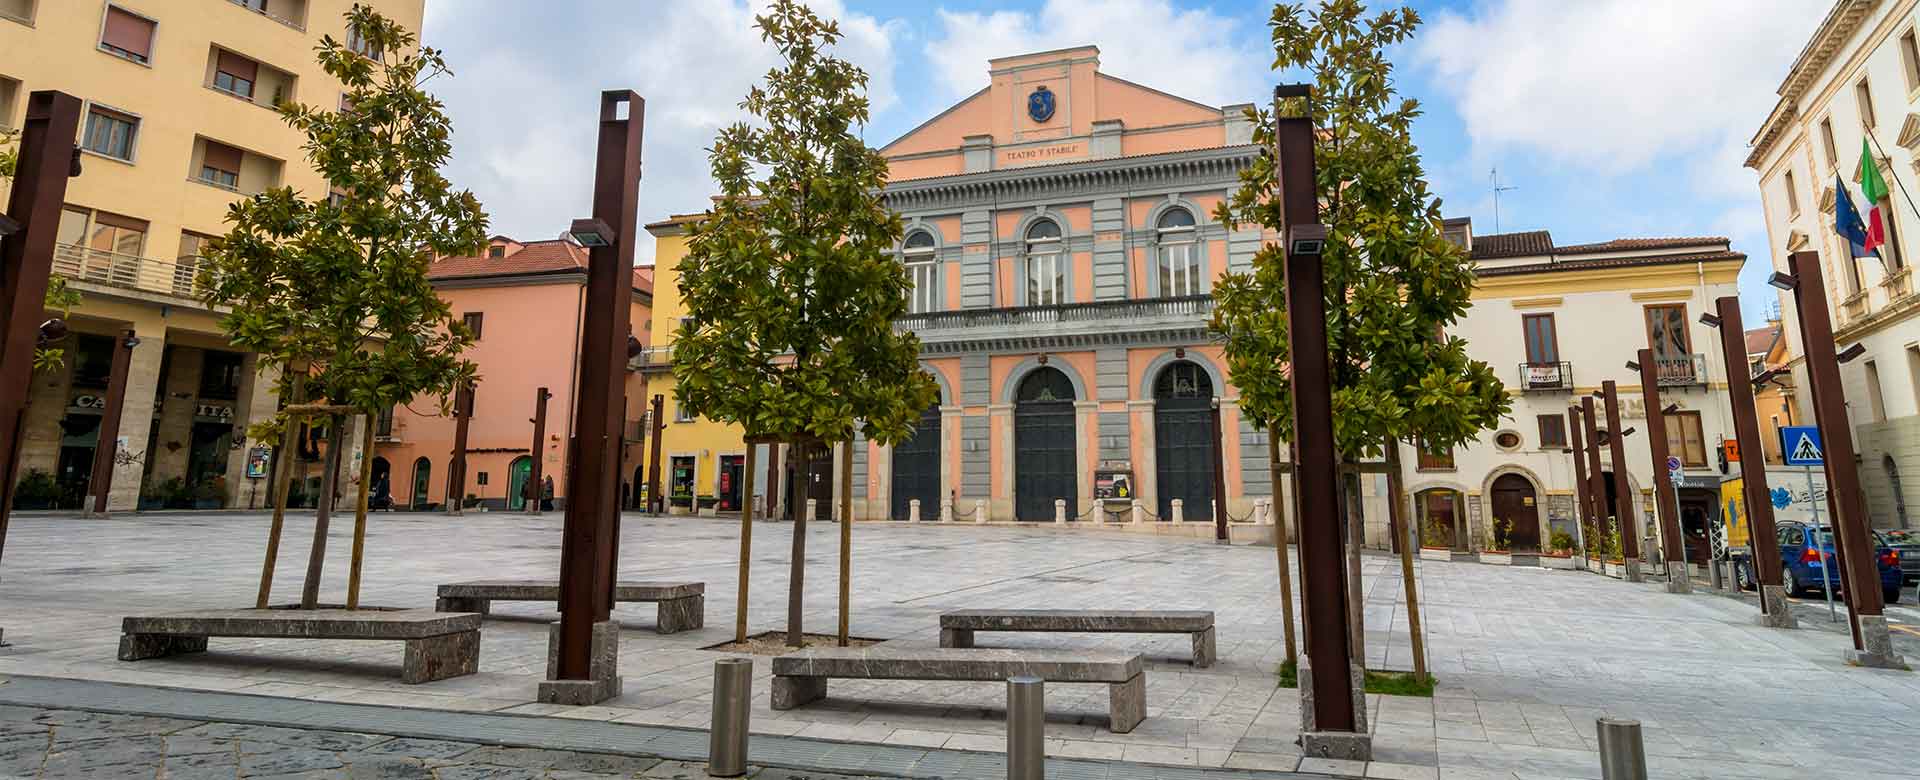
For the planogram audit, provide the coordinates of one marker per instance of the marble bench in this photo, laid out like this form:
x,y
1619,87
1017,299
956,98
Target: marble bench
x,y
682,605
439,645
801,677
957,628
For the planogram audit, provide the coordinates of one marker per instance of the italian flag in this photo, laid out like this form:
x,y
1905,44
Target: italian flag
x,y
1874,189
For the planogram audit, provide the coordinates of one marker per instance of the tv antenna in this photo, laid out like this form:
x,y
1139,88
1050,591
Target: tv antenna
x,y
1494,177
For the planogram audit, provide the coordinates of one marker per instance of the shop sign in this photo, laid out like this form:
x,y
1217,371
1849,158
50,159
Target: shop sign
x,y
213,412
257,461
89,401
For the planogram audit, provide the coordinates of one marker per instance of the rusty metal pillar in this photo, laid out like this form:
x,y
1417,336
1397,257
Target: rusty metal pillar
x,y
583,648
1220,534
657,502
1753,471
1583,487
457,465
1665,495
1596,478
1333,723
1872,646
536,484
107,445
1622,491
47,157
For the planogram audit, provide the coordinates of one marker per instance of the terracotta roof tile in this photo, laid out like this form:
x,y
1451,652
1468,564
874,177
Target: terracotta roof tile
x,y
1497,245
1609,262
1760,340
1633,244
532,259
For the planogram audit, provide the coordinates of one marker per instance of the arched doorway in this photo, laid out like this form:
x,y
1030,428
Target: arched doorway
x,y
916,468
1516,503
1183,439
422,482
380,489
1043,460
518,472
637,498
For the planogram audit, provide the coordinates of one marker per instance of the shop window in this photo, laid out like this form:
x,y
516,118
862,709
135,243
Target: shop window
x,y
92,360
220,374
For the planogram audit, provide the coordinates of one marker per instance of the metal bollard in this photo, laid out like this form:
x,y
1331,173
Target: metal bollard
x,y
1026,728
732,702
1623,756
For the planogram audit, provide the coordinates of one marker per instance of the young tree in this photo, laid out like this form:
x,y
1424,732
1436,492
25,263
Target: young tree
x,y
789,283
1393,281
331,288
60,298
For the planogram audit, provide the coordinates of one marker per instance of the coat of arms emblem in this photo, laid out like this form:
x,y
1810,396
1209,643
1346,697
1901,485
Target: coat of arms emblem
x,y
1040,105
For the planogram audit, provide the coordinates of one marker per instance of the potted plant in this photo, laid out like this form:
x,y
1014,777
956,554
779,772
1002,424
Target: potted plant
x,y
37,490
1433,543
1559,554
1497,551
1612,564
176,494
152,498
211,493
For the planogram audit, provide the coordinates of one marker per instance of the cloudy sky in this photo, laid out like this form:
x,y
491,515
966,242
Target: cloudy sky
x,y
1610,117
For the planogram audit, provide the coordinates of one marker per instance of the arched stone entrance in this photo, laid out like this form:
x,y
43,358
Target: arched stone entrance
x,y
1517,504
1043,437
422,483
916,469
518,472
1183,440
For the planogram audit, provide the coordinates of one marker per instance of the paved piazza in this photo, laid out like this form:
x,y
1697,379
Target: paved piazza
x,y
1527,658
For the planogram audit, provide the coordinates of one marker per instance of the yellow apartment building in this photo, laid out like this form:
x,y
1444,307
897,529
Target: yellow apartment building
x,y
179,122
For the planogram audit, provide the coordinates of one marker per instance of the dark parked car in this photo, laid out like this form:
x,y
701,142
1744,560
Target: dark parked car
x,y
1806,553
1907,544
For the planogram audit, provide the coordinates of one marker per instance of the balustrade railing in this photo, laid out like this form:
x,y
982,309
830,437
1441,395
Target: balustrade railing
x,y
1682,371
1189,306
1546,376
131,272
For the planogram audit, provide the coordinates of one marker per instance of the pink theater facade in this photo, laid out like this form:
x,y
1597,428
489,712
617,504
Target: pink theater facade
x,y
1060,236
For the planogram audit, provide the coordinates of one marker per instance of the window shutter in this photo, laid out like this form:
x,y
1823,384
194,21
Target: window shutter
x,y
115,220
223,157
128,32
238,66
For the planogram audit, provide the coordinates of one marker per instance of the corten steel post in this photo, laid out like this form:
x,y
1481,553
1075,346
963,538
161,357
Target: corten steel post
x,y
1582,486
1666,501
1219,478
656,501
536,485
1322,564
586,574
773,480
1862,576
107,446
46,159
1596,478
1746,431
457,466
1623,492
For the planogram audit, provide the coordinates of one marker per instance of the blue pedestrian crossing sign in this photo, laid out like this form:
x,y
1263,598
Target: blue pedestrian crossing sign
x,y
1801,445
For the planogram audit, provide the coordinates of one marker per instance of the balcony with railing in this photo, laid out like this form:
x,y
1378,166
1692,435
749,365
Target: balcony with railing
x,y
292,13
1183,314
1546,377
1681,371
128,272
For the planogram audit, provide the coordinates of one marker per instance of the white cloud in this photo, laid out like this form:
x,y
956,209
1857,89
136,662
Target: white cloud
x,y
1614,85
526,92
1193,53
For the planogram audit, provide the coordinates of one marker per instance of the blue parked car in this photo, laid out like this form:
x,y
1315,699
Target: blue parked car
x,y
1806,552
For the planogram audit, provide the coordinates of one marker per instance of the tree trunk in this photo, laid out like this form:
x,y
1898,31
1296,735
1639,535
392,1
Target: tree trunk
x,y
284,458
360,515
1406,544
796,577
329,475
1281,541
1353,518
746,541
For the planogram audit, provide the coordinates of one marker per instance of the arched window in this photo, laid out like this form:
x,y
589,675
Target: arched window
x,y
1045,384
1179,254
922,271
1184,379
1046,269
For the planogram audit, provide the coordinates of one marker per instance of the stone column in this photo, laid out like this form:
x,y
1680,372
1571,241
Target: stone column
x,y
1086,429
1146,482
1000,421
136,413
257,401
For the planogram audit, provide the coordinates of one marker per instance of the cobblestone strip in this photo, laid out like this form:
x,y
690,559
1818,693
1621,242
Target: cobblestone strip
x,y
52,727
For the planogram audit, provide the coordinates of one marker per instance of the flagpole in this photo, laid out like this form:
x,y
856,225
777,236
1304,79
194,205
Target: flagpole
x,y
1896,182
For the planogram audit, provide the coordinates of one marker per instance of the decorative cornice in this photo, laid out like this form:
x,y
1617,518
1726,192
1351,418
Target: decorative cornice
x,y
1042,182
1840,24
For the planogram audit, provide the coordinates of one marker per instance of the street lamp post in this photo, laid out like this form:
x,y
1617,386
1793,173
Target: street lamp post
x,y
1775,612
1622,490
584,646
1872,645
1665,496
1333,707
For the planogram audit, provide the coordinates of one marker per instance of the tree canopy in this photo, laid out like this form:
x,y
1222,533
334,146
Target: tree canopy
x,y
790,282
1393,280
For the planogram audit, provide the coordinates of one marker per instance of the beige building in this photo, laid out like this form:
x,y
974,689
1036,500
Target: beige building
x,y
1858,78
179,122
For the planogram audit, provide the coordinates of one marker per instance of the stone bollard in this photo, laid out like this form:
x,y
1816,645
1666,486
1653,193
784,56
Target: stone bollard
x,y
946,510
1259,511
1139,513
1623,755
732,704
1059,511
913,510
980,510
1713,576
1026,728
1179,511
813,508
